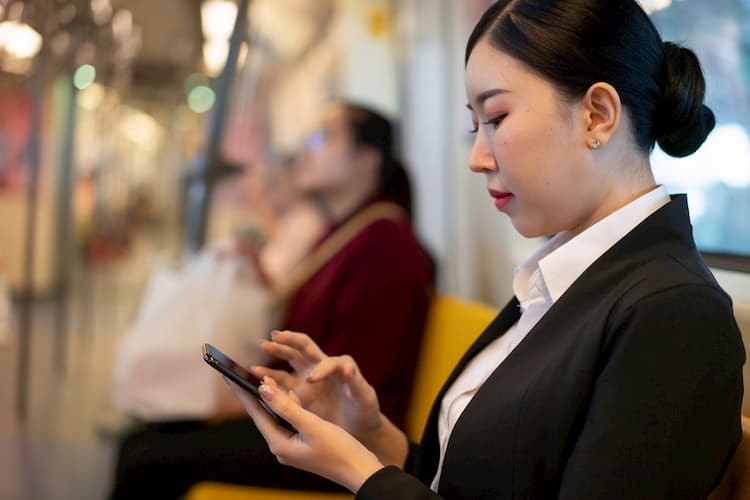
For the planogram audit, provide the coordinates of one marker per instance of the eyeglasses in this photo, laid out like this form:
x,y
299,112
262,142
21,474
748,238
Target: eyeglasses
x,y
316,141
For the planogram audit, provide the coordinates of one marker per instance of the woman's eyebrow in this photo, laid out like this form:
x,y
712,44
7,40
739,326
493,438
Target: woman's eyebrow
x,y
483,96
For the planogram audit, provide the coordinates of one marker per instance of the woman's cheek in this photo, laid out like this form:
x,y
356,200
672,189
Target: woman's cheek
x,y
506,145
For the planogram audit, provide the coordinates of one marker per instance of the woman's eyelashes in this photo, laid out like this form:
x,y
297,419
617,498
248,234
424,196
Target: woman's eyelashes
x,y
495,122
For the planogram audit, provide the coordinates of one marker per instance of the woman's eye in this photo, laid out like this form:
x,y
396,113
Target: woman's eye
x,y
495,122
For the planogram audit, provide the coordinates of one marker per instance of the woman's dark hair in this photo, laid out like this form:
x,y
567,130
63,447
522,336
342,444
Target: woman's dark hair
x,y
576,43
371,129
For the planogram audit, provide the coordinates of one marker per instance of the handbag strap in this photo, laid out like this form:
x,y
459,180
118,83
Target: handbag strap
x,y
332,245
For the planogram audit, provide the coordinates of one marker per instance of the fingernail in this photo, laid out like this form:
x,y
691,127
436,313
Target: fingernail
x,y
274,333
266,392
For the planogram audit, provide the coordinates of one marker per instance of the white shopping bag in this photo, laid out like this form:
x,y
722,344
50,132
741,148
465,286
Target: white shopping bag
x,y
7,323
159,370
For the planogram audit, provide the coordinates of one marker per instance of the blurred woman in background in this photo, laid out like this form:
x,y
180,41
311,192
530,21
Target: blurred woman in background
x,y
368,295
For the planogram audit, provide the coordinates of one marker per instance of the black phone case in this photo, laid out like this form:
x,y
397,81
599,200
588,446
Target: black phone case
x,y
245,384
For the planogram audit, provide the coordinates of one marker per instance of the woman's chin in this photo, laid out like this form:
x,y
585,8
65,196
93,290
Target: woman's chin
x,y
528,229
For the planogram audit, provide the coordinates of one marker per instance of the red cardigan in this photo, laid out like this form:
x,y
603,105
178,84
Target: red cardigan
x,y
370,301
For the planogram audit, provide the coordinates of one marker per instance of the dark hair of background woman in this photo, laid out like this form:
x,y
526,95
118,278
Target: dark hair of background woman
x,y
371,129
576,43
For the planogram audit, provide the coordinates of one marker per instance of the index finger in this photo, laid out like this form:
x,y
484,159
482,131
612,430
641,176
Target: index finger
x,y
301,342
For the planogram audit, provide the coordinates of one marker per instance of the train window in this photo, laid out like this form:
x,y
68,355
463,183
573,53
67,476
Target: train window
x,y
717,177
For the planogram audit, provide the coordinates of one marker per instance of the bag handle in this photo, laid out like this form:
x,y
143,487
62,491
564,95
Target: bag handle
x,y
331,246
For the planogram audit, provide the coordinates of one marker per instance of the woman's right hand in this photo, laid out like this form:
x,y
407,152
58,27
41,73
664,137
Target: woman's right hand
x,y
334,388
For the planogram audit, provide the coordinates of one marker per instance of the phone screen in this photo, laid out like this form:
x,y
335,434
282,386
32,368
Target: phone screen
x,y
239,375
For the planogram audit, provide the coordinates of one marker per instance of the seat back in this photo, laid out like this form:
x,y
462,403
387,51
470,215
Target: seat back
x,y
452,325
736,482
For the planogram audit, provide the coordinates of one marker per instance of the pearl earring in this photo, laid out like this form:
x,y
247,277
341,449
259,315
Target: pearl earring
x,y
596,144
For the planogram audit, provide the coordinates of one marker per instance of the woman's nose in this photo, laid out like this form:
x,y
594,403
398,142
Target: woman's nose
x,y
482,160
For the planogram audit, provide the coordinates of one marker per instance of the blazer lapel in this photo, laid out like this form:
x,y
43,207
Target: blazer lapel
x,y
429,452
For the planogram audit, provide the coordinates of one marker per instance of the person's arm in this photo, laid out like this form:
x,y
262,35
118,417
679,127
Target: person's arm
x,y
392,483
664,416
251,253
388,443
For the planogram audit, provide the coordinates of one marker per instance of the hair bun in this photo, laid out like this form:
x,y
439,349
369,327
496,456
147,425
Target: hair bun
x,y
682,120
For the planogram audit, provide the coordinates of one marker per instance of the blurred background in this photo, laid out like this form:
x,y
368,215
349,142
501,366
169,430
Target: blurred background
x,y
127,128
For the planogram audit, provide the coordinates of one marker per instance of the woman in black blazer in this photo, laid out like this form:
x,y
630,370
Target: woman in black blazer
x,y
615,372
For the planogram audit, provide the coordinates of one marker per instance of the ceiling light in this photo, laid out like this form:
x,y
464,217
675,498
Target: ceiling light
x,y
19,39
217,19
90,98
141,128
215,55
201,99
84,76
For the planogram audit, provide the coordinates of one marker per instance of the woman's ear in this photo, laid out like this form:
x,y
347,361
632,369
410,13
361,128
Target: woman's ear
x,y
602,112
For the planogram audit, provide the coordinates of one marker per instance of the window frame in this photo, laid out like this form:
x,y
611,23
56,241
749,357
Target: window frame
x,y
727,261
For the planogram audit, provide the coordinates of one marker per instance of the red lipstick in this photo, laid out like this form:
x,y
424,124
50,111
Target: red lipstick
x,y
501,199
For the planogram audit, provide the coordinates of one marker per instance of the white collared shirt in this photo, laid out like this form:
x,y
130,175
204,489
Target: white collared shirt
x,y
538,283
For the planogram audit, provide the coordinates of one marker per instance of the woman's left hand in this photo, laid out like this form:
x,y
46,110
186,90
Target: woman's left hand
x,y
319,446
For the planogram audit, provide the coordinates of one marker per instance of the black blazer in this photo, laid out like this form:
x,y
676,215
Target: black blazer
x,y
629,387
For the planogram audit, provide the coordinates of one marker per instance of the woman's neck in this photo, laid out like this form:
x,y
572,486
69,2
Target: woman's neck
x,y
337,207
637,181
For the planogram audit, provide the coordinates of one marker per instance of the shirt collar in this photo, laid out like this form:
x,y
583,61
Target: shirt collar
x,y
562,260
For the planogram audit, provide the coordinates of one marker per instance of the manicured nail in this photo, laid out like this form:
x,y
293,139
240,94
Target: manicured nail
x,y
266,392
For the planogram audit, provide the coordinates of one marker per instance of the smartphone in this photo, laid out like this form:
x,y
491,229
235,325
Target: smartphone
x,y
240,376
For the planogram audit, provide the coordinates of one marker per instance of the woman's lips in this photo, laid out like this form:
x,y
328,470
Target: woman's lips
x,y
501,199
